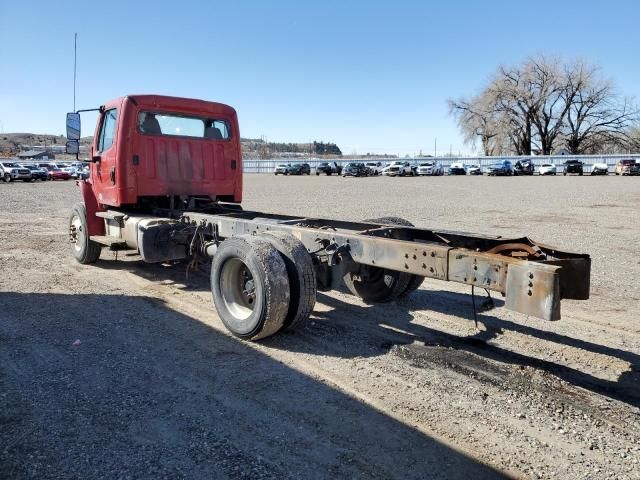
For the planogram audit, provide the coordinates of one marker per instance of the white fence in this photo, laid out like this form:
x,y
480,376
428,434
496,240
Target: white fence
x,y
267,166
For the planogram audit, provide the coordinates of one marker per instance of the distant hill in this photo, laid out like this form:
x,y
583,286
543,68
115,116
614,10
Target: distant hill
x,y
12,143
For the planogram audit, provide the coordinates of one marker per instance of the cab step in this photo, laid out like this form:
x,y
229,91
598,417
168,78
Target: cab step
x,y
112,242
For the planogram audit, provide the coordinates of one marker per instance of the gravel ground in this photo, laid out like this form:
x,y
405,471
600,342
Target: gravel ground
x,y
123,370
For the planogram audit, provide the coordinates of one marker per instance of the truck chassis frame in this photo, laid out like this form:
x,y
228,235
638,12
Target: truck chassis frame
x,y
532,277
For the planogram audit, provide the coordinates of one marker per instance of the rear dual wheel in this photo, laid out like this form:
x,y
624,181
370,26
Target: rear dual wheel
x,y
376,284
261,285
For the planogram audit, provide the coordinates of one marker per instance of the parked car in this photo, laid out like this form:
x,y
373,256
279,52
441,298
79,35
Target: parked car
x,y
47,166
59,174
523,167
71,171
600,169
328,168
37,173
474,170
457,168
355,169
375,168
10,171
627,167
547,169
431,167
397,169
573,166
281,169
300,169
84,173
505,167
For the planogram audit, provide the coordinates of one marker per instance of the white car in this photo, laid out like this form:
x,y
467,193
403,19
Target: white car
x,y
430,168
10,171
600,169
375,168
282,169
474,170
547,169
397,169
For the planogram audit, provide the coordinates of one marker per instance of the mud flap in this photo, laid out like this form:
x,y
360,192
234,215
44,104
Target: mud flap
x,y
534,289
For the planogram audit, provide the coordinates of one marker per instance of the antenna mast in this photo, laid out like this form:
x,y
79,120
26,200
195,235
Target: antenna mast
x,y
75,56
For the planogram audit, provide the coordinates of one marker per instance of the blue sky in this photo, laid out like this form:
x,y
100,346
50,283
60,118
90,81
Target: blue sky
x,y
370,76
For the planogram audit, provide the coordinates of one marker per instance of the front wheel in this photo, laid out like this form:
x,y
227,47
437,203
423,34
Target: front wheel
x,y
7,177
84,250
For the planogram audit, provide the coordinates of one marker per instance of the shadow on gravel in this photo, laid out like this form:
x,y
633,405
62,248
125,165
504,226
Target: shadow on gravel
x,y
391,324
196,280
107,386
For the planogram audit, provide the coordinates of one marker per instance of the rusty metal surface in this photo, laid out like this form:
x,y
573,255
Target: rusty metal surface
x,y
532,277
479,269
534,289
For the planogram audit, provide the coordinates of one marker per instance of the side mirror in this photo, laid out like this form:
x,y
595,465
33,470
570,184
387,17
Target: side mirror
x,y
73,126
72,147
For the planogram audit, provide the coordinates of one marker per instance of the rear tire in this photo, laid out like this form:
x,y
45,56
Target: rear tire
x,y
416,280
302,277
375,284
84,250
250,287
7,177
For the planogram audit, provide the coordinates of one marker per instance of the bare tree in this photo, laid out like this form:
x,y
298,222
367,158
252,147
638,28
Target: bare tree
x,y
476,119
544,102
595,117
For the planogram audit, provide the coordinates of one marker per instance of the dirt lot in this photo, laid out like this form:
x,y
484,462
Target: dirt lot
x,y
123,370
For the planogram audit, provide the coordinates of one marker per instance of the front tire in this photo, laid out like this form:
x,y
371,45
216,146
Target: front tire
x,y
250,287
7,177
84,249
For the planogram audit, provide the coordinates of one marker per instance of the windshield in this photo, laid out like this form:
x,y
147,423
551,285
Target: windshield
x,y
627,162
427,164
547,165
8,164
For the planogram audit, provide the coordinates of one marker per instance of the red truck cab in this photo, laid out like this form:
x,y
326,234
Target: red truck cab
x,y
153,147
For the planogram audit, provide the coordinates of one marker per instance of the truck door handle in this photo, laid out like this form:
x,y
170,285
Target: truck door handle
x,y
233,164
112,175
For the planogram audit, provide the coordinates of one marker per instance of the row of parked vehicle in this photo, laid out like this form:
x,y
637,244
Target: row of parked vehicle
x,y
11,171
401,168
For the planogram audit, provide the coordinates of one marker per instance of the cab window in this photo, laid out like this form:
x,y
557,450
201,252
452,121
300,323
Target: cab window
x,y
151,123
108,130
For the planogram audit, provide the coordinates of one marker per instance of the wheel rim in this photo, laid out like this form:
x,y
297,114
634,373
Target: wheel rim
x,y
238,288
76,234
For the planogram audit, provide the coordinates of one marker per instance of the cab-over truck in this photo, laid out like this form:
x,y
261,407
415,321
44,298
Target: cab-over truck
x,y
166,182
